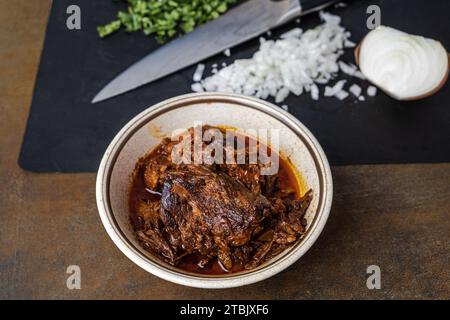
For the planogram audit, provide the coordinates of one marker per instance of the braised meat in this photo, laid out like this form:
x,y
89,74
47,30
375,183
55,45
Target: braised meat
x,y
210,212
199,216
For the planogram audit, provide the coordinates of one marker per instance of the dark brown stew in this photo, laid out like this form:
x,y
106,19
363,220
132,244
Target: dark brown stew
x,y
215,219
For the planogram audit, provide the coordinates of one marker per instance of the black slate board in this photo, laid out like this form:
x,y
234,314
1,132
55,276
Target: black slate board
x,y
65,133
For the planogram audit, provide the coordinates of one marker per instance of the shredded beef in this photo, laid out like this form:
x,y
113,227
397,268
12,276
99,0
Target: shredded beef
x,y
230,214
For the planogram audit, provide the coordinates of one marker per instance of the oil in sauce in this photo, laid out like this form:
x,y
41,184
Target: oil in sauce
x,y
289,179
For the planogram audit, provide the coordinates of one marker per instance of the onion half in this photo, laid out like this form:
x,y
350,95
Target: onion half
x,y
406,67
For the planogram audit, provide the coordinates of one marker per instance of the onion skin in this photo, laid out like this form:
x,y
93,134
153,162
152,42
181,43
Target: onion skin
x,y
432,91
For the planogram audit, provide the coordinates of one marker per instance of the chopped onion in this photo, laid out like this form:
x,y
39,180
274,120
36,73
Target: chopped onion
x,y
371,91
351,70
341,95
294,33
355,90
296,63
405,66
282,95
314,92
349,44
332,91
340,5
197,87
198,74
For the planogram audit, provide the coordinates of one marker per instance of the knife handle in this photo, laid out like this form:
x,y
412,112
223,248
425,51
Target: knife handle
x,y
299,8
314,5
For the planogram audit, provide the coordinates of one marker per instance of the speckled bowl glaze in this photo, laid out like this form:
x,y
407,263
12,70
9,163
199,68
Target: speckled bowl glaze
x,y
147,129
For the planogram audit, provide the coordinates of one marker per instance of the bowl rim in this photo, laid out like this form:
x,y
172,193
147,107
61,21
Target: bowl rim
x,y
284,260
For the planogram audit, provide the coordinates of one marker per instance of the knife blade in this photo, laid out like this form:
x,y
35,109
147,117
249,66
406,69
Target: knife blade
x,y
240,24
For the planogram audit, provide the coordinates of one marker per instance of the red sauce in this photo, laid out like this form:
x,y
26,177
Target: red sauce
x,y
289,180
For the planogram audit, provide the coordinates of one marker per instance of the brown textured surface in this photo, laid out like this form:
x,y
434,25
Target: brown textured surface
x,y
396,216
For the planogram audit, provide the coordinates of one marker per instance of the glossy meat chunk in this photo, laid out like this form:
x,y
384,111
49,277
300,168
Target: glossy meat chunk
x,y
212,212
229,215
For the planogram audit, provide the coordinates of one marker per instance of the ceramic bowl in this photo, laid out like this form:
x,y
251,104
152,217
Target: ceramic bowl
x,y
146,130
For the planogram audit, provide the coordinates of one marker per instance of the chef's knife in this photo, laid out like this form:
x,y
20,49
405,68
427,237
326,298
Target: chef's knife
x,y
242,23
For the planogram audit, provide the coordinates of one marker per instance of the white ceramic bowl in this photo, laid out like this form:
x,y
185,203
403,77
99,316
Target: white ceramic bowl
x,y
147,129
